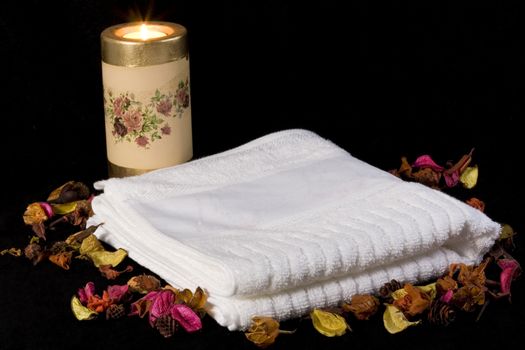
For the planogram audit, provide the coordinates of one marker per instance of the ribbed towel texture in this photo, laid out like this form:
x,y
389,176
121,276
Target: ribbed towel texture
x,y
286,223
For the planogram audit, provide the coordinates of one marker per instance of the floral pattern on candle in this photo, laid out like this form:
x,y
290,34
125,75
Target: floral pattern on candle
x,y
135,122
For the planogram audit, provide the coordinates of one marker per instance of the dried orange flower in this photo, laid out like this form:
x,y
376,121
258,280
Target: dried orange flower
x,y
414,302
62,259
445,284
468,297
476,203
263,331
363,306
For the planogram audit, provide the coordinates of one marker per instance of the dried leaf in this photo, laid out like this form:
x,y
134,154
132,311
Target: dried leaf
x,y
476,203
62,259
363,306
78,237
92,248
143,284
263,331
186,318
12,251
66,208
328,324
405,168
469,177
395,321
468,297
69,192
81,312
426,161
506,232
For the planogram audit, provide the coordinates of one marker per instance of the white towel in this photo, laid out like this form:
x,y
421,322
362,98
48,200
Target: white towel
x,y
286,223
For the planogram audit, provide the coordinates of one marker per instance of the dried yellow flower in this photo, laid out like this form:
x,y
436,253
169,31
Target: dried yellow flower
x,y
263,331
35,214
328,324
93,249
395,321
469,177
80,311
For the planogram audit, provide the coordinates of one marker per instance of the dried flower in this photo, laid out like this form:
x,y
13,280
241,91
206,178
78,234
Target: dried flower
x,y
108,272
263,331
363,306
85,293
395,320
426,161
81,213
142,306
166,325
428,177
468,297
36,214
12,251
510,270
469,177
414,302
476,203
62,259
186,317
99,304
328,324
81,312
35,253
143,284
445,284
448,296
161,305
118,293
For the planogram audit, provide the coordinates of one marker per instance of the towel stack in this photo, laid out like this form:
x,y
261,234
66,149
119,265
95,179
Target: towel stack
x,y
286,223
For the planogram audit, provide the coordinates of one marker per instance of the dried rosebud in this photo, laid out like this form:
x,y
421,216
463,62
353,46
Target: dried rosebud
x,y
69,192
363,306
263,331
414,302
476,203
388,288
143,284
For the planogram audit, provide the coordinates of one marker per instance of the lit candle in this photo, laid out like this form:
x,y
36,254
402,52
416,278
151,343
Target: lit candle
x,y
144,33
145,72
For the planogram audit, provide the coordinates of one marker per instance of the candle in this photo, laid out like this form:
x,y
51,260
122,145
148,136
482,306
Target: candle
x,y
145,73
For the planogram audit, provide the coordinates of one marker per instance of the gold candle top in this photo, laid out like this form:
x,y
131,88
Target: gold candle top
x,y
141,44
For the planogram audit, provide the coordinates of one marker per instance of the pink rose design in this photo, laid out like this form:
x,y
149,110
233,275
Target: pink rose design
x,y
164,107
132,120
142,141
119,105
166,130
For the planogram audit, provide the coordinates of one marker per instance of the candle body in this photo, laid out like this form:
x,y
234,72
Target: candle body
x,y
147,108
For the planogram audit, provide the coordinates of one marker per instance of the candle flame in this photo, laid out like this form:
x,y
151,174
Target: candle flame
x,y
144,33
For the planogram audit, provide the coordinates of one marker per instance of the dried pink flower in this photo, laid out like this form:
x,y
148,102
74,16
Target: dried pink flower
x,y
186,317
425,161
85,293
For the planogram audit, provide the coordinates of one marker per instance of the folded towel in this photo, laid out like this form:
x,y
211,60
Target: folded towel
x,y
286,223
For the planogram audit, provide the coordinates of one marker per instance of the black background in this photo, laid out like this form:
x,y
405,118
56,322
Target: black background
x,y
381,80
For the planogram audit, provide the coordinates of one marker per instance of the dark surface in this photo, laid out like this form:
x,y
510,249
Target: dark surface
x,y
380,81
